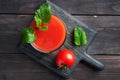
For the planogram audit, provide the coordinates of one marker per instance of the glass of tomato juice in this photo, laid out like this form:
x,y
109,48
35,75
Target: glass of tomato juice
x,y
51,39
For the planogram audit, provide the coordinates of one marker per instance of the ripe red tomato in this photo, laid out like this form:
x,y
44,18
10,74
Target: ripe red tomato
x,y
65,58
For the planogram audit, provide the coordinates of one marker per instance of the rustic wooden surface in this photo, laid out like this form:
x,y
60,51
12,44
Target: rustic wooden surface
x,y
101,15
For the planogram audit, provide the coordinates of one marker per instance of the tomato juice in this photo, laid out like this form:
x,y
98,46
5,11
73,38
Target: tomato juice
x,y
51,39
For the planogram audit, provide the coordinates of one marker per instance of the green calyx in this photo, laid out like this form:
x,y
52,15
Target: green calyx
x,y
64,68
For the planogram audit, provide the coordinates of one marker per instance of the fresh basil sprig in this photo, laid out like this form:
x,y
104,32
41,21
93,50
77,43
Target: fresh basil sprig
x,y
43,15
80,37
28,35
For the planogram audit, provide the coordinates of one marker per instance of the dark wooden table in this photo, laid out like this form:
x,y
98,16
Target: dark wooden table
x,y
101,15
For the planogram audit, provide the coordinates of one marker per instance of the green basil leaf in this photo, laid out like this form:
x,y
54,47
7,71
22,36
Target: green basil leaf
x,y
43,14
45,11
28,38
28,35
79,36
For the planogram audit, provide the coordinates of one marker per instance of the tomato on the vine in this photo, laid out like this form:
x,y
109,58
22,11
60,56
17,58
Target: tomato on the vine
x,y
65,58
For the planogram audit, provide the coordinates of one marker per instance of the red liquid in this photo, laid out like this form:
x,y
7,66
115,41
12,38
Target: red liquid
x,y
51,39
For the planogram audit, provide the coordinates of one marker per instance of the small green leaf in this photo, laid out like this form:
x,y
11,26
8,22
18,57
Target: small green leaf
x,y
28,35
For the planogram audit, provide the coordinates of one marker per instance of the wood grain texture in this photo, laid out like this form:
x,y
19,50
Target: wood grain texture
x,y
100,21
109,7
100,7
110,72
22,6
10,29
12,25
107,41
21,67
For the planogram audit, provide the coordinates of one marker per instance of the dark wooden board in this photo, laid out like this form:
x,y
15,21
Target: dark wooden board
x,y
100,7
108,32
80,52
20,66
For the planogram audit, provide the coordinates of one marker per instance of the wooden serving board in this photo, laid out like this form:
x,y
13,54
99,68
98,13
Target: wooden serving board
x,y
48,60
